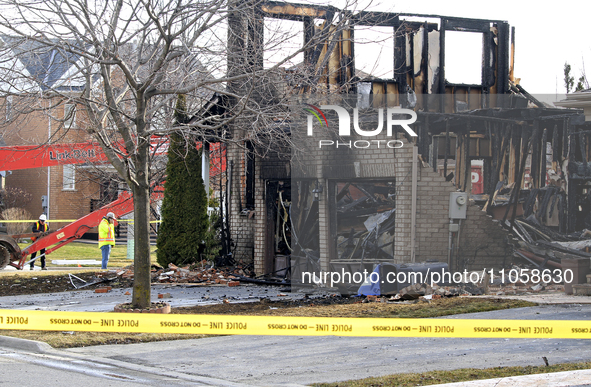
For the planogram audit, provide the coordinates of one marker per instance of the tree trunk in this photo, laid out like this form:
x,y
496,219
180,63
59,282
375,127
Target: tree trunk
x,y
141,199
141,282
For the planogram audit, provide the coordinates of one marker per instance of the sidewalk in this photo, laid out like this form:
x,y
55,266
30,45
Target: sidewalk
x,y
544,299
557,379
52,268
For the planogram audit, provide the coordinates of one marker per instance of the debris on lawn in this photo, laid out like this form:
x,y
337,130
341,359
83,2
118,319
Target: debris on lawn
x,y
417,291
201,273
79,283
103,289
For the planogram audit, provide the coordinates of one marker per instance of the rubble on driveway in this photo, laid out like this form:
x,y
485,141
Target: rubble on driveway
x,y
200,274
511,286
427,291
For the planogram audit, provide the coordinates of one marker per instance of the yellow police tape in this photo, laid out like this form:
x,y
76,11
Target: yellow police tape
x,y
291,326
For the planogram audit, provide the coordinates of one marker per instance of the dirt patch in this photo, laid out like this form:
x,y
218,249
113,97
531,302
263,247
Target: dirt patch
x,y
47,282
355,307
264,306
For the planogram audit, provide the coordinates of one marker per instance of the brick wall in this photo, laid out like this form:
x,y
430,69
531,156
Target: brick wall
x,y
483,243
259,221
69,204
402,231
241,227
34,182
63,204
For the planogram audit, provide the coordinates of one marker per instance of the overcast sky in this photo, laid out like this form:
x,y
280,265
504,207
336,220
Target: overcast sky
x,y
546,36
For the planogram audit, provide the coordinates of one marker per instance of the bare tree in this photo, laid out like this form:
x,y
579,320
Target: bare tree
x,y
127,61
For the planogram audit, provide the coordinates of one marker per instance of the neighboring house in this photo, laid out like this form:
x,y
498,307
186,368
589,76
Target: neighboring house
x,y
492,123
65,192
39,110
578,100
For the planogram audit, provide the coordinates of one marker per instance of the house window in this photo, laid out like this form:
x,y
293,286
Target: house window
x,y
69,182
374,51
463,57
284,38
69,115
363,95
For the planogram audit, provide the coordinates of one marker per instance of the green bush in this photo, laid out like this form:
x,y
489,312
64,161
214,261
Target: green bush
x,y
184,207
17,214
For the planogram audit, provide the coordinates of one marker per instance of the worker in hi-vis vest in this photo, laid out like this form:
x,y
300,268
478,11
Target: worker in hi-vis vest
x,y
39,227
107,237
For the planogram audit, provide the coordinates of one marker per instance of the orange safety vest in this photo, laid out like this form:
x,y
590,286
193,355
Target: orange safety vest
x,y
106,233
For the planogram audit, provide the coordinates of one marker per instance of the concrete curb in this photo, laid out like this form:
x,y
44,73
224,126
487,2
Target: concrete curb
x,y
24,345
543,299
285,385
148,370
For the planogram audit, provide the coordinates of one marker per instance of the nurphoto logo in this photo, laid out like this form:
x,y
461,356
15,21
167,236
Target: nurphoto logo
x,y
394,117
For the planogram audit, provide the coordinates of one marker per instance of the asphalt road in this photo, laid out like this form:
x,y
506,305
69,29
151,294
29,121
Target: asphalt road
x,y
276,360
269,360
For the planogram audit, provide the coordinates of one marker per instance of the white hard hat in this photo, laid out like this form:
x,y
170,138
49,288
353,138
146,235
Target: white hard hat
x,y
43,217
111,215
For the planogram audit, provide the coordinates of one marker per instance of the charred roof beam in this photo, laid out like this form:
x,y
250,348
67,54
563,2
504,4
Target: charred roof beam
x,y
452,18
376,19
297,12
467,25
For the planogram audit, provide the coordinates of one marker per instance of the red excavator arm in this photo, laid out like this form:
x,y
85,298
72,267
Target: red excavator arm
x,y
13,158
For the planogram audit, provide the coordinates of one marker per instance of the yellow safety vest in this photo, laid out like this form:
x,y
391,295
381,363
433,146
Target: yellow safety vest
x,y
37,227
106,233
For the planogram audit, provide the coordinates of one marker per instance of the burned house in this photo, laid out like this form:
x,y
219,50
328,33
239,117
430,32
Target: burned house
x,y
412,200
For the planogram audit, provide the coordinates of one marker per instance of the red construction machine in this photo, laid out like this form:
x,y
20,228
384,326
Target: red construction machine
x,y
11,254
23,157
